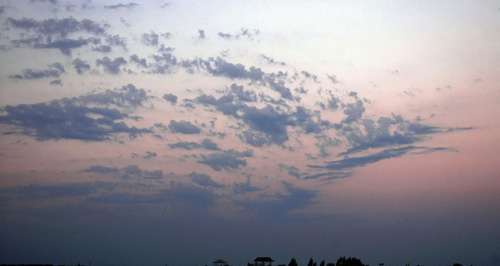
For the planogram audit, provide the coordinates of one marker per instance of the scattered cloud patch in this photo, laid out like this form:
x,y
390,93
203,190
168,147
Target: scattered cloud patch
x,y
169,97
118,6
150,39
56,82
150,155
54,71
93,117
80,66
333,79
244,187
280,206
272,61
36,192
201,34
386,131
243,33
207,144
55,33
183,127
204,180
111,66
353,162
225,160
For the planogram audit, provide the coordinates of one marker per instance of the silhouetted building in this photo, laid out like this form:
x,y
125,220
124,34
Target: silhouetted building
x,y
263,261
219,262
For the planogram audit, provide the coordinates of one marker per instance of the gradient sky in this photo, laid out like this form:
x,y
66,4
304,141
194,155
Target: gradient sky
x,y
179,132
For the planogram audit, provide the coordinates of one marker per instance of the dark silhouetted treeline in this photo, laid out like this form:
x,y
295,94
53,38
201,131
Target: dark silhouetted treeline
x,y
37,265
342,261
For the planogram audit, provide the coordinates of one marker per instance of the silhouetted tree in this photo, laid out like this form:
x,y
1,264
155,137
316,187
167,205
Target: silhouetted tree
x,y
330,264
351,261
322,263
311,262
457,264
293,262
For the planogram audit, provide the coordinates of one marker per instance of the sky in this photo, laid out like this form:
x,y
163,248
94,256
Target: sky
x,y
180,132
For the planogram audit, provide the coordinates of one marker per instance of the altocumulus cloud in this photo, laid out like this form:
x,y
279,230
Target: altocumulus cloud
x,y
352,162
55,33
111,66
93,117
226,160
54,71
279,206
204,180
183,127
127,172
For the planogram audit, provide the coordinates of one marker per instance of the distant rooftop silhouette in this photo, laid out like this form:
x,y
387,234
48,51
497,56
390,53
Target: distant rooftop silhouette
x,y
261,261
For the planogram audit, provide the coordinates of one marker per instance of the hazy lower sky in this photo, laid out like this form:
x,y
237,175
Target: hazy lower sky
x,y
153,132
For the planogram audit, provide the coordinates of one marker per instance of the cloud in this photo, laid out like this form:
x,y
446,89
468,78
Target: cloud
x,y
56,82
126,198
386,131
36,192
53,33
280,206
207,144
150,155
166,63
178,195
185,145
269,121
54,71
54,2
93,117
66,45
226,160
80,66
116,40
204,180
271,61
166,35
192,195
243,33
256,138
292,170
183,127
155,174
353,111
220,67
169,97
333,79
332,102
244,187
111,67
150,39
243,95
201,34
353,162
100,169
102,49
279,86
328,175
58,27
304,118
266,125
117,6
127,172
